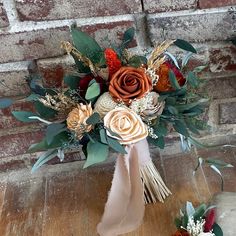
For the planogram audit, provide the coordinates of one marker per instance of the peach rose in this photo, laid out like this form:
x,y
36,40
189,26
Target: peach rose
x,y
129,83
127,124
76,120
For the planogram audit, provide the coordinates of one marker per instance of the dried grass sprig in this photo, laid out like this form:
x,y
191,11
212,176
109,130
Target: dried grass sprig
x,y
156,58
59,102
70,49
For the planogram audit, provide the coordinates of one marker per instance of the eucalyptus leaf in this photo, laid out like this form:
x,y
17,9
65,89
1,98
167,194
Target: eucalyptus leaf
x,y
53,130
5,102
72,81
192,79
103,136
217,230
199,212
172,57
218,163
186,58
24,116
45,157
93,119
190,209
181,128
93,91
44,111
58,141
86,45
128,37
96,153
173,81
185,45
115,145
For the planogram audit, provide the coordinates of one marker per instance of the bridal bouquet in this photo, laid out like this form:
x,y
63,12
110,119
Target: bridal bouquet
x,y
121,101
198,221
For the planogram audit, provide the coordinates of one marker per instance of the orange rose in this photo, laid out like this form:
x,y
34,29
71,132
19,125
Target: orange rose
x,y
129,83
163,84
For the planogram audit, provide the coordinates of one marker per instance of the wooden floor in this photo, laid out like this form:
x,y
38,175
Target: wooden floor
x,y
65,200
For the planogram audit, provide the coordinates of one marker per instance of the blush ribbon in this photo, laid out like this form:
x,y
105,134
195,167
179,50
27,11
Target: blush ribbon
x,y
124,209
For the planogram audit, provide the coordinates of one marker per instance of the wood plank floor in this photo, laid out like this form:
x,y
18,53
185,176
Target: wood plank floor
x,y
65,200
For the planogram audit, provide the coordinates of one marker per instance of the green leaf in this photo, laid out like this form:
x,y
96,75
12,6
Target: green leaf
x,y
181,128
160,142
160,129
137,61
32,97
188,106
45,157
192,79
128,36
217,230
191,126
86,45
93,119
199,69
44,111
185,221
178,223
96,153
57,141
185,45
115,145
103,135
173,110
93,90
172,57
190,209
218,163
199,212
173,81
186,58
5,102
72,81
53,130
24,116
113,133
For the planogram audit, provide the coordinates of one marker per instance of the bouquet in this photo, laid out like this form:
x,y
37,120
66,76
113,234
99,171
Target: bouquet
x,y
197,222
121,101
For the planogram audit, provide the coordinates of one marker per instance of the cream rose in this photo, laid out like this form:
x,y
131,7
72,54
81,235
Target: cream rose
x,y
104,104
76,120
127,124
206,234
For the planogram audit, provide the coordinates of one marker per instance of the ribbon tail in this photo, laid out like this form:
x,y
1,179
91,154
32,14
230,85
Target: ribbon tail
x,y
124,209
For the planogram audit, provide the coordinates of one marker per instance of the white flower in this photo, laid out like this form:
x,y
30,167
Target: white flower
x,y
195,228
206,234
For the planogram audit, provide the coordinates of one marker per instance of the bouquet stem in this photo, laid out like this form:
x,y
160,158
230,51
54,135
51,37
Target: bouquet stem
x,y
154,187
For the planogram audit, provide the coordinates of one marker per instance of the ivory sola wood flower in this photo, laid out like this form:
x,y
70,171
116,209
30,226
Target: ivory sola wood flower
x,y
127,124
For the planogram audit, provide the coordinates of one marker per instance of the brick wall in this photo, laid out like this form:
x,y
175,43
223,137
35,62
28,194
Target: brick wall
x,y
31,32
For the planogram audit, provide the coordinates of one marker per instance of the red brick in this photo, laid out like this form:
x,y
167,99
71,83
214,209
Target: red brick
x,y
193,27
216,3
53,70
223,58
32,44
12,79
17,144
8,121
52,9
152,6
110,33
3,16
